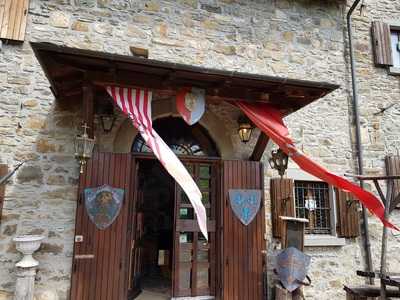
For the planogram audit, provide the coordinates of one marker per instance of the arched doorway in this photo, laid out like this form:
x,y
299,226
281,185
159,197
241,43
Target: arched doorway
x,y
182,138
172,258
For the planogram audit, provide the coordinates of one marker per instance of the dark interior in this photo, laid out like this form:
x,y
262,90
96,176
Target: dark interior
x,y
156,243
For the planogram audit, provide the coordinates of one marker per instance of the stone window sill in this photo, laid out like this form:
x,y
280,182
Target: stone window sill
x,y
317,240
394,71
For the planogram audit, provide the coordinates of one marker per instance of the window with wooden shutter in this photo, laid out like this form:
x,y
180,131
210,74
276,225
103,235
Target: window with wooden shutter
x,y
393,168
13,14
347,215
382,44
282,202
3,172
312,202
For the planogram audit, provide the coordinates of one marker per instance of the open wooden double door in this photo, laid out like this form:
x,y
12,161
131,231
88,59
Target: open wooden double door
x,y
109,264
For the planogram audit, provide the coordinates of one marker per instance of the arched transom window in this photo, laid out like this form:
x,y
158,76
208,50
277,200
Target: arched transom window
x,y
181,138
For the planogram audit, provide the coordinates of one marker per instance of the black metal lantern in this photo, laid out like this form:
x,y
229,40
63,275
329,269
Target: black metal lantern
x,y
83,147
245,129
279,161
107,118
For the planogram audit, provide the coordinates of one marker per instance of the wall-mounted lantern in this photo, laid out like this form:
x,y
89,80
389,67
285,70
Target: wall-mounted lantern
x,y
83,147
245,129
107,118
279,161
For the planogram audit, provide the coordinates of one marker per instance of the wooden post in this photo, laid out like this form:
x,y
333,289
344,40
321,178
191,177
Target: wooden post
x,y
293,232
384,234
283,294
3,172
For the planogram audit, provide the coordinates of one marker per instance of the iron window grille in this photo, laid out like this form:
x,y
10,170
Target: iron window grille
x,y
312,202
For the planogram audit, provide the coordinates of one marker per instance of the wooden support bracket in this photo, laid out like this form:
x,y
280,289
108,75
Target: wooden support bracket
x,y
259,147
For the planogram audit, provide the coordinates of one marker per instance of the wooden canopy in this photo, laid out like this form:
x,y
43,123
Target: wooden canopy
x,y
70,71
68,68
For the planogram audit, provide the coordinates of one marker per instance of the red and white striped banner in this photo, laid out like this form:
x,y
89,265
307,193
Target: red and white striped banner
x,y
136,103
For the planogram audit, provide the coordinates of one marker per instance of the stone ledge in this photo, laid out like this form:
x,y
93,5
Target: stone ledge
x,y
314,240
394,71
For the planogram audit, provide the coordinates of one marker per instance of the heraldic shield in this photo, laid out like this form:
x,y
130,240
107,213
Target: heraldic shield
x,y
245,204
291,267
103,205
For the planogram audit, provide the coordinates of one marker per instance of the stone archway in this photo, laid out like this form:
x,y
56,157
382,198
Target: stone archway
x,y
164,108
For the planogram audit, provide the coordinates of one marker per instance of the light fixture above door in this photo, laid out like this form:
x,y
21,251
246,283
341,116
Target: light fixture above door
x,y
245,129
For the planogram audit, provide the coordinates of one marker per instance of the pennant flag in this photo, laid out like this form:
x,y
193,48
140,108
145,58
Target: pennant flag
x,y
269,120
136,103
190,103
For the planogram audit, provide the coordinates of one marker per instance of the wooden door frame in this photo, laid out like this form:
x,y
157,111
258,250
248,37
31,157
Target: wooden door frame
x,y
215,258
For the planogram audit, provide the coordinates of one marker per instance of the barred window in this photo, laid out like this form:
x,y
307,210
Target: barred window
x,y
312,203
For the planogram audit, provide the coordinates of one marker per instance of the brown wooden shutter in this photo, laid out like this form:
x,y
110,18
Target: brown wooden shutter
x,y
282,202
381,44
393,168
13,14
242,264
347,215
3,172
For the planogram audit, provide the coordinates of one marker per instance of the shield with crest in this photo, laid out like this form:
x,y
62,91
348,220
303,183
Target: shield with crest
x,y
103,204
245,204
291,267
190,103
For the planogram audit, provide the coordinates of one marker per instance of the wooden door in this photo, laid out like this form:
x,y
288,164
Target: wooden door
x,y
242,264
194,258
100,262
136,252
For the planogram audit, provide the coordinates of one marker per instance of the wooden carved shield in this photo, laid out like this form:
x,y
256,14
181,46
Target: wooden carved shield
x,y
245,204
291,267
103,204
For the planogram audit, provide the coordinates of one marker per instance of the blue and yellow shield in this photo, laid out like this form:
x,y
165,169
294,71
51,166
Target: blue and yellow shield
x,y
245,204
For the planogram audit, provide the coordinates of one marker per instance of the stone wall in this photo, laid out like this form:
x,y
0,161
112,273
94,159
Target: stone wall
x,y
297,39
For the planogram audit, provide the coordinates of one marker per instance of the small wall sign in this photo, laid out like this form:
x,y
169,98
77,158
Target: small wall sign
x,y
245,204
103,204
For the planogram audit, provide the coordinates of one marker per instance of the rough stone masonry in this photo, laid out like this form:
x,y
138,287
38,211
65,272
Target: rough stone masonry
x,y
302,39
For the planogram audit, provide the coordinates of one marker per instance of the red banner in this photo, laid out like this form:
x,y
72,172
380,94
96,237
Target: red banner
x,y
269,120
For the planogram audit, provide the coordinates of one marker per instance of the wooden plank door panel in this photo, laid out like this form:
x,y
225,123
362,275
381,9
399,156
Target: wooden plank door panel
x,y
242,264
104,276
194,259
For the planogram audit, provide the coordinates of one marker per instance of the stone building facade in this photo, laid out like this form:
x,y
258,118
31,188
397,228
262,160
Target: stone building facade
x,y
301,39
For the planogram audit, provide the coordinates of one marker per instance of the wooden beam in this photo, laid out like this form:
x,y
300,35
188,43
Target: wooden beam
x,y
88,107
259,147
3,172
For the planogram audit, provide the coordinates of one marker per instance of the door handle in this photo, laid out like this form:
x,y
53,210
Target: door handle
x,y
84,256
